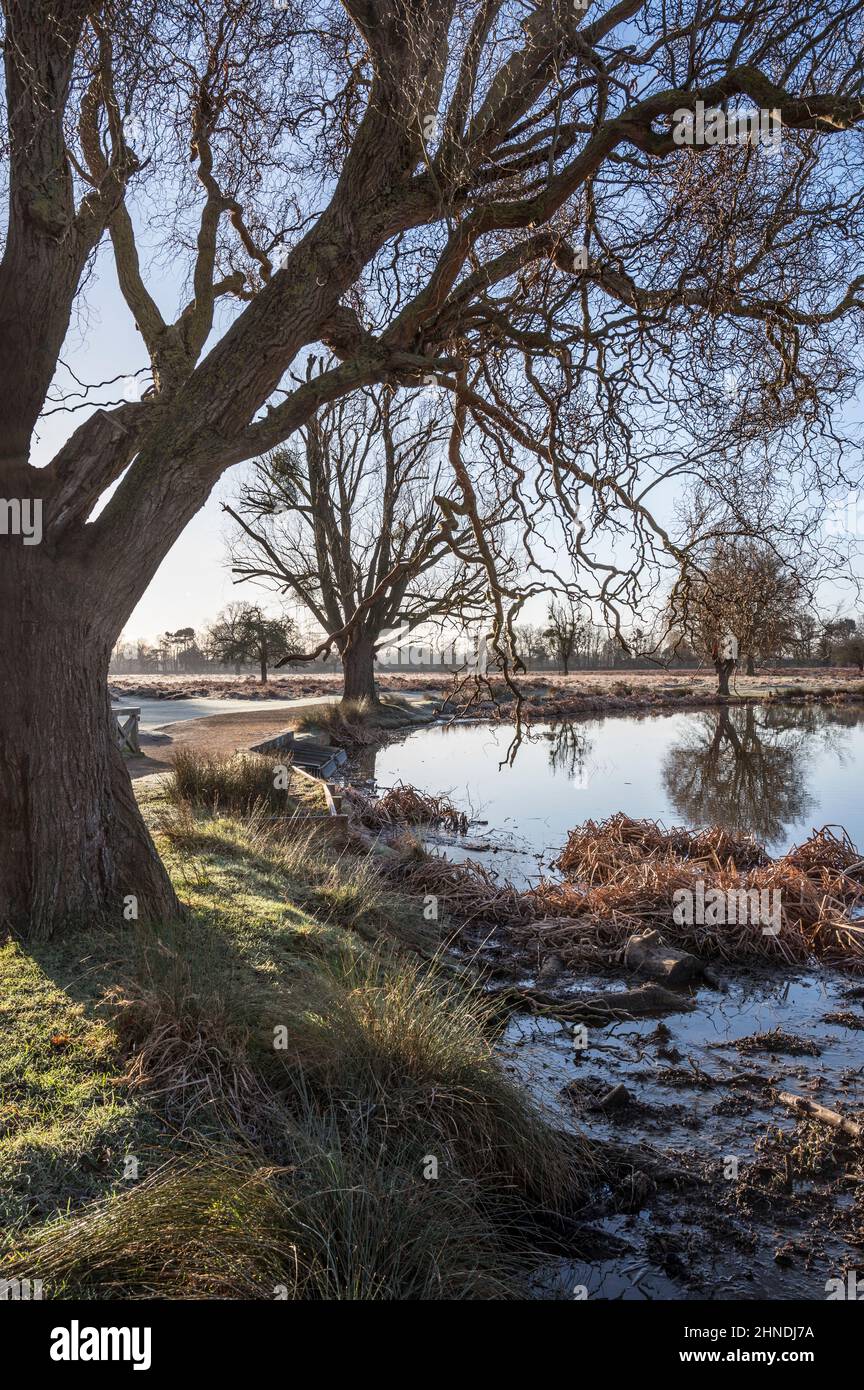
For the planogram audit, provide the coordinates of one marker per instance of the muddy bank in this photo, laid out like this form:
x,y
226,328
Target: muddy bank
x,y
724,1093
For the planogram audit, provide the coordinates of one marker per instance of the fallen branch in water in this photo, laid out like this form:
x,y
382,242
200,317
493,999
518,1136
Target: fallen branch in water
x,y
601,1007
811,1110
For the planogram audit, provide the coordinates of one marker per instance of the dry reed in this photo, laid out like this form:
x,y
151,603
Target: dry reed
x,y
405,805
621,877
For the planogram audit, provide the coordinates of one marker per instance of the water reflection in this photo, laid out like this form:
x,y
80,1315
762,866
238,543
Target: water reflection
x,y
749,769
569,747
774,771
732,770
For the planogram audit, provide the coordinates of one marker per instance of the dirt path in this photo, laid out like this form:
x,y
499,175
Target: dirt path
x,y
217,734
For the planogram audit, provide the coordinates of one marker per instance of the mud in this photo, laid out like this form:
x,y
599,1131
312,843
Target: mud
x,y
715,1190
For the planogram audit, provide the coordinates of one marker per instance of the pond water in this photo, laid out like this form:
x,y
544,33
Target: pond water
x,y
774,771
155,713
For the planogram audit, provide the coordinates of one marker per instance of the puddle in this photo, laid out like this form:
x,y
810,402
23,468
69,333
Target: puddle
x,y
630,1279
541,1051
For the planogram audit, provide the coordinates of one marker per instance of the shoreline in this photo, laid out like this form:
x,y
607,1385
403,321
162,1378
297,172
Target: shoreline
x,y
544,696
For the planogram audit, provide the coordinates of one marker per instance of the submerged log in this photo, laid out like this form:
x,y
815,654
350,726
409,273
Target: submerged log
x,y
812,1110
648,954
598,1007
616,1099
550,970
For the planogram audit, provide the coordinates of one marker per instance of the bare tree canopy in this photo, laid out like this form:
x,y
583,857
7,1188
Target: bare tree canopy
x,y
346,521
744,590
243,633
567,629
505,198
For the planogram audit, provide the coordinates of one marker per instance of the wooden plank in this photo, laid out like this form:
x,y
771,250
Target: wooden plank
x,y
321,757
126,719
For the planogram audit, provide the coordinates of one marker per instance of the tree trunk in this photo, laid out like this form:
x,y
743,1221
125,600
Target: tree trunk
x,y
724,670
73,846
263,663
751,664
358,663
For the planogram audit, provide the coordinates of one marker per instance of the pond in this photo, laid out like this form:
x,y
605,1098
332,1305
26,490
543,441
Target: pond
x,y
771,770
718,1195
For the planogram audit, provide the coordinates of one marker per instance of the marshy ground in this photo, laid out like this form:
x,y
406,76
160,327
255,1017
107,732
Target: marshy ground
x,y
315,1087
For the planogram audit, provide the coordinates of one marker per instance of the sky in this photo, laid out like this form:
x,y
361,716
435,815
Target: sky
x,y
194,582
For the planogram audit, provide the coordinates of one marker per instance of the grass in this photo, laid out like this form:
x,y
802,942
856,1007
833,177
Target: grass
x,y
349,1220
355,723
244,783
63,1122
286,1071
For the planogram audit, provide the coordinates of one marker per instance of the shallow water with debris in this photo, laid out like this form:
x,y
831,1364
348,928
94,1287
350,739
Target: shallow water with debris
x,y
720,1196
715,1189
773,771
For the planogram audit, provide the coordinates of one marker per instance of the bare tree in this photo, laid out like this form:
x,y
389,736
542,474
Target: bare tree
x,y
567,627
749,598
532,643
508,201
346,520
175,644
243,633
849,648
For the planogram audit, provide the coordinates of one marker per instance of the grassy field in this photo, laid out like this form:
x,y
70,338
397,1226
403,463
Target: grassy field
x,y
255,1101
598,689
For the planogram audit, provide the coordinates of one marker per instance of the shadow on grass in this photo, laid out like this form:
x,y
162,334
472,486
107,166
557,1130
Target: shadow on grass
x,y
309,1114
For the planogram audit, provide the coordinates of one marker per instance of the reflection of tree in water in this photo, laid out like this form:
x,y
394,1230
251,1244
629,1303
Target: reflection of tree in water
x,y
569,747
744,773
362,764
823,724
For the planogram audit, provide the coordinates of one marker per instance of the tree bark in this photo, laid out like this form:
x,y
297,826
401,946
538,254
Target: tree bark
x,y
73,845
751,664
724,670
358,664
